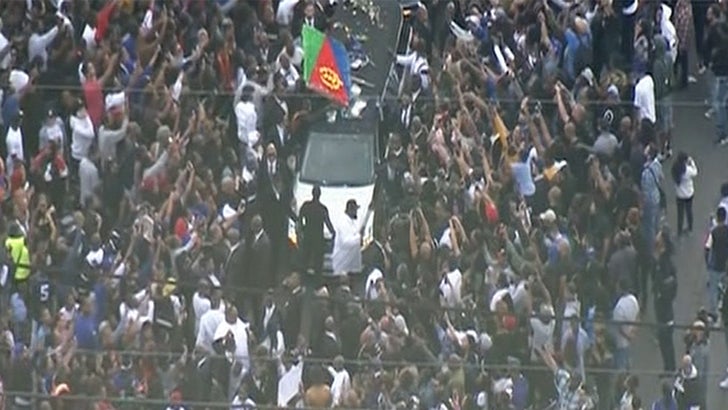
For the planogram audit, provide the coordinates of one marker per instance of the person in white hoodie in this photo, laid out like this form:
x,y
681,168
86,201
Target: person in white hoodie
x,y
82,134
684,172
14,142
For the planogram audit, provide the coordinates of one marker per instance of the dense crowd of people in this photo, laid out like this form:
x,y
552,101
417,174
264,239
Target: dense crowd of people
x,y
520,237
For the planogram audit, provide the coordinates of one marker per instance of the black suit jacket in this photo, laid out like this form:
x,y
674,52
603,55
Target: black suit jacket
x,y
272,327
259,262
291,315
264,390
263,58
273,115
235,265
267,192
329,347
324,11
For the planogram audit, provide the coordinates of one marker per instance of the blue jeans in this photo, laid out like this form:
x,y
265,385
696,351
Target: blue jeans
x,y
714,280
621,358
720,105
650,222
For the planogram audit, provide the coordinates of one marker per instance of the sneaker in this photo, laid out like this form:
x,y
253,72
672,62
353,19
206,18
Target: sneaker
x,y
709,114
723,141
701,69
692,79
724,384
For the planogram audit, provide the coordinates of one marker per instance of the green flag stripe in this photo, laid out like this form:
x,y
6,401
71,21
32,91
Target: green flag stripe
x,y
312,40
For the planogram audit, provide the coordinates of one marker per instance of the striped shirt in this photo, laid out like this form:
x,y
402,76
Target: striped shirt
x,y
417,65
570,399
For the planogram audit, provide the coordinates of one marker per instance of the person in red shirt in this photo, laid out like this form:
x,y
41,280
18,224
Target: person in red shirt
x,y
93,87
17,176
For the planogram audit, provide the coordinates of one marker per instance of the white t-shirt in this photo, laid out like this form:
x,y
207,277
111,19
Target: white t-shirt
x,y
240,332
542,336
200,305
14,145
82,136
644,98
451,289
686,189
627,309
208,325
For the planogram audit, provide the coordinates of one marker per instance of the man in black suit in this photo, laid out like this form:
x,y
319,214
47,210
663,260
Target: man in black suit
x,y
312,218
270,322
234,267
421,98
258,275
261,383
264,54
312,13
329,345
391,172
275,117
403,115
292,308
274,196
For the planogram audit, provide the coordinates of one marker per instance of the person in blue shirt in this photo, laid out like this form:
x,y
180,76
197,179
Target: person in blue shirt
x,y
667,401
85,329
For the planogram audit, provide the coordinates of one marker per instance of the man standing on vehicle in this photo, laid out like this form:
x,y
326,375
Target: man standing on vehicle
x,y
346,258
312,217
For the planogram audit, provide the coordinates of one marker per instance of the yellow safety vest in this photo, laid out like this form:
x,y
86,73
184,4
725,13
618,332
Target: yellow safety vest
x,y
20,256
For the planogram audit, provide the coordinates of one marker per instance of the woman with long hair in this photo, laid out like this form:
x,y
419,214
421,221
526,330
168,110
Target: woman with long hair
x,y
684,171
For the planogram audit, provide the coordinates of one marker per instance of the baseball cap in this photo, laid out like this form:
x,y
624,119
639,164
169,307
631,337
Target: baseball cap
x,y
351,204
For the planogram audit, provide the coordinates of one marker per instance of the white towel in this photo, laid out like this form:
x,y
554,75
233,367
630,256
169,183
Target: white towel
x,y
340,386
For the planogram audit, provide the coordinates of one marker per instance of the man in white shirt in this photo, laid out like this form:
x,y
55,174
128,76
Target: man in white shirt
x,y
89,180
346,257
209,323
239,359
542,330
644,99
82,134
14,142
247,116
38,42
417,63
626,310
288,72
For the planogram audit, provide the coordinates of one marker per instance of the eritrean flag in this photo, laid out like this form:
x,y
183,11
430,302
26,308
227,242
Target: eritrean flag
x,y
326,65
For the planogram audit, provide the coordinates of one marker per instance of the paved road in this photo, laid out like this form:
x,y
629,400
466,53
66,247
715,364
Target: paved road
x,y
693,134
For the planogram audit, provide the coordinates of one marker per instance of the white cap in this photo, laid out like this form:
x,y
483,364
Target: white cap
x,y
548,216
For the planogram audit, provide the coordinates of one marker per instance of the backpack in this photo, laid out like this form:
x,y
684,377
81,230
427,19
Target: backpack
x,y
663,76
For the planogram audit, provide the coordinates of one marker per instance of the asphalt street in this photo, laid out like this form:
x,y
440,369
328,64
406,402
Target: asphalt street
x,y
694,134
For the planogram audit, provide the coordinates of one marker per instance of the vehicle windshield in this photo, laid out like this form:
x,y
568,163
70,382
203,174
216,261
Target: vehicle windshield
x,y
338,160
